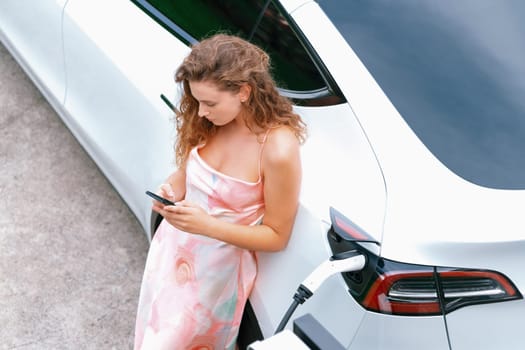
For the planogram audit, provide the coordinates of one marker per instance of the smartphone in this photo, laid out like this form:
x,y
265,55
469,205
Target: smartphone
x,y
159,198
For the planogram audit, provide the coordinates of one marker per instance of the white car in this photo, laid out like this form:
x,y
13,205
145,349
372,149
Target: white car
x,y
416,121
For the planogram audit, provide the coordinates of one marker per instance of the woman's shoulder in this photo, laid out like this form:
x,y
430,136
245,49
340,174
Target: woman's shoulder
x,y
281,144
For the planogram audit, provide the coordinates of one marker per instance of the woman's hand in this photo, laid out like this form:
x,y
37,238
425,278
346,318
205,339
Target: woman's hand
x,y
186,216
165,191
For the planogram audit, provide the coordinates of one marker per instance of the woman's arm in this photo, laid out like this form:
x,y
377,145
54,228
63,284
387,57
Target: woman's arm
x,y
282,181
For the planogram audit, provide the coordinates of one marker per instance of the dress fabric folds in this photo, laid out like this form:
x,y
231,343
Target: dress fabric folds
x,y
194,287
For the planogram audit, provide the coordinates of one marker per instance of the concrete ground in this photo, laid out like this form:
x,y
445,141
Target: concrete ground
x,y
71,252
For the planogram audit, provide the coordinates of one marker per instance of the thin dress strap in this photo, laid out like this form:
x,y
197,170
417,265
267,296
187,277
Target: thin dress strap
x,y
261,151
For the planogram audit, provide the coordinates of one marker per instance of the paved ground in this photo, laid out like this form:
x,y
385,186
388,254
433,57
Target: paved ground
x,y
71,252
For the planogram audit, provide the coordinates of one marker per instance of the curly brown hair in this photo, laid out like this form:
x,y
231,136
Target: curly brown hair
x,y
230,62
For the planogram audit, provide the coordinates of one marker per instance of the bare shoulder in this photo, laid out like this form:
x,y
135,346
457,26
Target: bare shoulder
x,y
282,146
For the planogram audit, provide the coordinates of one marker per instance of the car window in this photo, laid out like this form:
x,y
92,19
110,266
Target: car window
x,y
259,21
455,70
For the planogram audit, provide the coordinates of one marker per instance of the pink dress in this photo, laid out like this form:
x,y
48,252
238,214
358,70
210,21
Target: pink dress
x,y
194,287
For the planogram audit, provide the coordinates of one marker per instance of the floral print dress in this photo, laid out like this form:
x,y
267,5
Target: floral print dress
x,y
194,287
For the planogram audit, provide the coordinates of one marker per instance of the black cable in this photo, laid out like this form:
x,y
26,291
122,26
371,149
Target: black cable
x,y
287,316
300,297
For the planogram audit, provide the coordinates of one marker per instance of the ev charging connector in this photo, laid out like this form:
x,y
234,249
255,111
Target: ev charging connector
x,y
341,262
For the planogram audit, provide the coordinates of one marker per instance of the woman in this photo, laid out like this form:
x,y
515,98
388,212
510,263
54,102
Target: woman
x,y
236,192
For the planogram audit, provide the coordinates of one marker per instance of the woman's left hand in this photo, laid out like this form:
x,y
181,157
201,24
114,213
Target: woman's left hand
x,y
186,216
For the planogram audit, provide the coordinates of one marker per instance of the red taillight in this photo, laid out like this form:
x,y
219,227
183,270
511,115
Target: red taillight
x,y
403,293
468,287
424,293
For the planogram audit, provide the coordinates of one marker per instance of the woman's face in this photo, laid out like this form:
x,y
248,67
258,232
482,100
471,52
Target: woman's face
x,y
219,107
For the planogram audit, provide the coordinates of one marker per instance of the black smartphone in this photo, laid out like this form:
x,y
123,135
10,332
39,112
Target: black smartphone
x,y
159,198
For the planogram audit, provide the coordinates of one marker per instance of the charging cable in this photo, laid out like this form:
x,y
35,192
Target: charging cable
x,y
341,262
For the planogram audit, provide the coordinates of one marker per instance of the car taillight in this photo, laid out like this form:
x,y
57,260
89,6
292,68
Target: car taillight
x,y
397,288
401,293
424,290
461,287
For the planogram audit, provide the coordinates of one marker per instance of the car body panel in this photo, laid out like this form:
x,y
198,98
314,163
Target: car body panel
x,y
34,38
340,169
490,326
393,332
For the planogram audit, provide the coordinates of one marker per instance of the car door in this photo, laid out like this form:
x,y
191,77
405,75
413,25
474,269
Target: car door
x,y
119,62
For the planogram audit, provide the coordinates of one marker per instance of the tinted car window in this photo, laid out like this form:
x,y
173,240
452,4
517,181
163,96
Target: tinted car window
x,y
259,21
455,70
